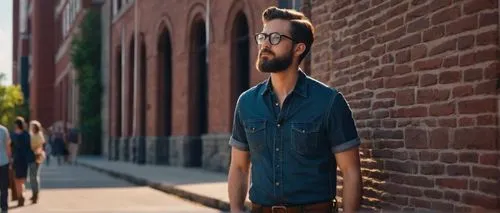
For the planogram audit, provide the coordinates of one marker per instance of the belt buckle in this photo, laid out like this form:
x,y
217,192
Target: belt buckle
x,y
276,209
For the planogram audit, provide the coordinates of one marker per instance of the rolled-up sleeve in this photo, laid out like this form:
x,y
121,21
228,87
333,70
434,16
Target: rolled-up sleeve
x,y
238,137
341,127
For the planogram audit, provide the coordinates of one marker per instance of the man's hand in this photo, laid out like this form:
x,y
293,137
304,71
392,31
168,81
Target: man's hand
x,y
238,179
348,162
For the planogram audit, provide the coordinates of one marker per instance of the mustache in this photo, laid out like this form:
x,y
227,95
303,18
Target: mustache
x,y
266,51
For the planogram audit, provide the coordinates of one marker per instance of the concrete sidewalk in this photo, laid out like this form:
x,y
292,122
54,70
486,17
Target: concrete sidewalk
x,y
198,185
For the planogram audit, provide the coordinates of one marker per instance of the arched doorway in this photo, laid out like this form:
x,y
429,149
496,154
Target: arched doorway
x,y
164,120
131,77
198,90
240,59
165,84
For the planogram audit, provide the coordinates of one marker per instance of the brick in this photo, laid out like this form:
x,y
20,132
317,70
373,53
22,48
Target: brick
x,y
378,51
419,203
488,87
490,187
374,124
406,41
473,74
490,37
427,156
402,69
477,106
438,4
468,157
452,183
467,59
478,5
416,139
450,61
408,80
405,97
399,200
367,74
485,120
339,24
428,80
473,184
342,13
418,51
388,123
466,122
451,195
393,35
462,91
370,64
448,157
431,193
447,122
492,173
439,138
442,206
395,23
386,94
468,138
465,42
360,104
442,109
387,134
382,153
399,166
462,209
462,25
374,84
385,71
417,2
486,55
362,115
433,33
431,169
387,58
486,19
492,71
395,189
445,15
479,200
428,64
420,181
418,111
400,9
400,155
448,77
432,95
490,159
458,170
390,144
418,12
449,45
403,56
357,87
418,25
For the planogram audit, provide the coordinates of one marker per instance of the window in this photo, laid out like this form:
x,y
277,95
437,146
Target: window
x,y
290,4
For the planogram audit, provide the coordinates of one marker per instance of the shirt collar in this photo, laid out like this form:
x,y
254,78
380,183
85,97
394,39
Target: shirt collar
x,y
300,86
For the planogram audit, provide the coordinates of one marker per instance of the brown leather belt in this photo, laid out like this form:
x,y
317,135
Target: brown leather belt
x,y
324,207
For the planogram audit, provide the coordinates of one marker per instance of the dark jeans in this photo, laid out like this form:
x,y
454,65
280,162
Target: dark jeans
x,y
4,186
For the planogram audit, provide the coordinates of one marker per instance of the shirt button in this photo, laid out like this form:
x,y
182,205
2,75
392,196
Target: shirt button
x,y
277,183
278,165
279,125
277,104
277,149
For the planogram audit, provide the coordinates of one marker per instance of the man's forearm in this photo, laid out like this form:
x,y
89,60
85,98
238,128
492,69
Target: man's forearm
x,y
351,197
237,188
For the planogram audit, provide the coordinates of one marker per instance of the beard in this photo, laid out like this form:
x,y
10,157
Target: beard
x,y
274,65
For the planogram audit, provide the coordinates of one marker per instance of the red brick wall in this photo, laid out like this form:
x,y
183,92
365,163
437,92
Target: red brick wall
x,y
421,78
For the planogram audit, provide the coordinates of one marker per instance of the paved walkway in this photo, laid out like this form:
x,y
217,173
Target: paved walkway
x,y
202,186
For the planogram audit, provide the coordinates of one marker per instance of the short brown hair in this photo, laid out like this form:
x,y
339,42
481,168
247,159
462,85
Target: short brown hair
x,y
301,30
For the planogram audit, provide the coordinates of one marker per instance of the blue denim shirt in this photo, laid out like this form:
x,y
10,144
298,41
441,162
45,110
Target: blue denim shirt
x,y
291,149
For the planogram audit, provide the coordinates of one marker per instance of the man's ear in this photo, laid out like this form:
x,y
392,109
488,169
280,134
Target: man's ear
x,y
299,49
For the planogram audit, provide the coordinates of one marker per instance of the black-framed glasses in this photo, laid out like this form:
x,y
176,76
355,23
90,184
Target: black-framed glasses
x,y
274,38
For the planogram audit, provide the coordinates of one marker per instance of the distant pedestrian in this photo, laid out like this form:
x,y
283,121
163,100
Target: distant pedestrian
x,y
73,143
37,142
22,155
5,155
58,146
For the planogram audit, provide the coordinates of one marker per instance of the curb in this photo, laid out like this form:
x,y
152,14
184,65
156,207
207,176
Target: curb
x,y
169,189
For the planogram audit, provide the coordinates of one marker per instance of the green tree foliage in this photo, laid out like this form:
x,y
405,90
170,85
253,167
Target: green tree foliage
x,y
86,59
11,100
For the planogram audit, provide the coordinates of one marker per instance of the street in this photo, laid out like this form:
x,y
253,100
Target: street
x,y
77,189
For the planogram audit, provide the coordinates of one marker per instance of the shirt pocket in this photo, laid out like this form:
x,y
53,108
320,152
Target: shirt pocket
x,y
305,138
255,131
